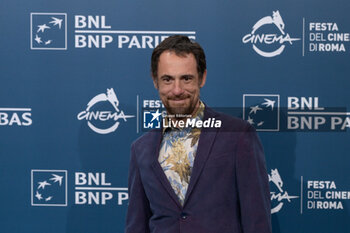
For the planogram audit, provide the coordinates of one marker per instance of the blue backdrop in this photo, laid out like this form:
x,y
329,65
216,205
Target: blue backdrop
x,y
76,91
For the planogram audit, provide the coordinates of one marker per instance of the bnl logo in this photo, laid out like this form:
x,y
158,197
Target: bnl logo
x,y
49,187
48,31
262,111
151,119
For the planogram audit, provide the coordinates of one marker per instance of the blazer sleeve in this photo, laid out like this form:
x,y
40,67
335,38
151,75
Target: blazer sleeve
x,y
253,185
139,212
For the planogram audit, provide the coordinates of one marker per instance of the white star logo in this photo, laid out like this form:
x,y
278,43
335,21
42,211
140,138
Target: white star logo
x,y
42,28
156,115
56,21
250,120
38,39
43,184
38,196
254,109
57,178
269,103
260,123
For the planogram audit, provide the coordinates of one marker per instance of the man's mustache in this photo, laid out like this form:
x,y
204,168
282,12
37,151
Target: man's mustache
x,y
178,98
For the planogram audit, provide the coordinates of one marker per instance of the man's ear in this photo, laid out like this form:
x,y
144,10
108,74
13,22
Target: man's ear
x,y
204,79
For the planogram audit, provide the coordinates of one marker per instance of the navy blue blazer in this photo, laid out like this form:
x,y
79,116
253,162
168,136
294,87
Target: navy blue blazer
x,y
228,190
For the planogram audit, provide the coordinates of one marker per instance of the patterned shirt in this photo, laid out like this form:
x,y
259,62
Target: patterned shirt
x,y
177,153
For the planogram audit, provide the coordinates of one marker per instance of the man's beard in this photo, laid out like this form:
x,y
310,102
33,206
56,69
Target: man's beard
x,y
181,110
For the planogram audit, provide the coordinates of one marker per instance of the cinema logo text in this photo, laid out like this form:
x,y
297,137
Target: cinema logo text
x,y
327,37
279,196
269,44
324,194
108,119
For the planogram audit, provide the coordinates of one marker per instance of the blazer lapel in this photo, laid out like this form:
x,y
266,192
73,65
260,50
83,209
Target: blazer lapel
x,y
158,170
205,143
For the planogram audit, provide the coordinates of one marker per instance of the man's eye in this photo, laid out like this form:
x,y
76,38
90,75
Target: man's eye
x,y
187,78
166,79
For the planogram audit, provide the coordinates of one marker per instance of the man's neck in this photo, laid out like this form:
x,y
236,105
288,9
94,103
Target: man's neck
x,y
175,119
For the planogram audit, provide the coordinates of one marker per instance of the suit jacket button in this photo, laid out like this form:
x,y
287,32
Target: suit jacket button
x,y
183,216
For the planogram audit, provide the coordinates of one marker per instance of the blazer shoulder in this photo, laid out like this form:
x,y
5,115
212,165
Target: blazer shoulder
x,y
147,138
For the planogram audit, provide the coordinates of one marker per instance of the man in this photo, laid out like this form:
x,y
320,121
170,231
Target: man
x,y
194,179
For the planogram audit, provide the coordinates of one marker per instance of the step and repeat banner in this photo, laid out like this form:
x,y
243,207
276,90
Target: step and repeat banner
x,y
76,91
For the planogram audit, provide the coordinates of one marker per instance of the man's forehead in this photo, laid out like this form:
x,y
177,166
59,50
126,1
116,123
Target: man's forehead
x,y
170,63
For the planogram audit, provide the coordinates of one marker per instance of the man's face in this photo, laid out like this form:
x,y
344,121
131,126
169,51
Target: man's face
x,y
178,82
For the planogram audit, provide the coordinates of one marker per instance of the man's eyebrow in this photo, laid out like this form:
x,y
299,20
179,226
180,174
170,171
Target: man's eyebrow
x,y
182,76
187,76
166,76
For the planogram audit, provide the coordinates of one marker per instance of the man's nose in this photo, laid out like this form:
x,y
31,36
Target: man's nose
x,y
178,87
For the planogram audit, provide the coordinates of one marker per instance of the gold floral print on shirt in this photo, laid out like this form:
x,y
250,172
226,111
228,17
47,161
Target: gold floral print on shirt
x,y
177,153
179,161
